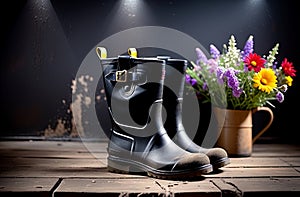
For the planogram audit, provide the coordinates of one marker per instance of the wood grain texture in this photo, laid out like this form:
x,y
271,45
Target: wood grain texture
x,y
55,168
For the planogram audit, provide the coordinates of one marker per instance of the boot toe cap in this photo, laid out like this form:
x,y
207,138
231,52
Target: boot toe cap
x,y
192,161
218,157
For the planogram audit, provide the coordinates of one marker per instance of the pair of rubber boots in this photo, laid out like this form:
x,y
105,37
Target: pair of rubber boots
x,y
139,141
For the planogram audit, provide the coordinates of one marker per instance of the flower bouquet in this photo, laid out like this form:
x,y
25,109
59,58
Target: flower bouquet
x,y
239,79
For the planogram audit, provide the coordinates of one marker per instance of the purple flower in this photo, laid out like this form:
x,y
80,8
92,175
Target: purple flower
x,y
232,79
193,82
187,78
205,87
246,69
220,75
215,53
201,57
233,82
237,92
248,48
190,80
280,97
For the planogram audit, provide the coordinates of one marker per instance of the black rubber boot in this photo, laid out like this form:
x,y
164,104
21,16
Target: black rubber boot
x,y
172,101
138,141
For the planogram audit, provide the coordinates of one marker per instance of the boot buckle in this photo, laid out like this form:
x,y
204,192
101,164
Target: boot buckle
x,y
121,76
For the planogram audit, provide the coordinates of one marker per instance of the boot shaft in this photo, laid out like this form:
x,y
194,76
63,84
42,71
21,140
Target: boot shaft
x,y
175,75
134,89
173,94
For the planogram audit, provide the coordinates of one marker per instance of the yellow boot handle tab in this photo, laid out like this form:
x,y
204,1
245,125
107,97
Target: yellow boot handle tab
x,y
132,52
101,52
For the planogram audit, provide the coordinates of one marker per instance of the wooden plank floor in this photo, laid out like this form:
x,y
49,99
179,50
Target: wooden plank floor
x,y
71,168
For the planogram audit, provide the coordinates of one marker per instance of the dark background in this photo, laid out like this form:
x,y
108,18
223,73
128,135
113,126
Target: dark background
x,y
44,42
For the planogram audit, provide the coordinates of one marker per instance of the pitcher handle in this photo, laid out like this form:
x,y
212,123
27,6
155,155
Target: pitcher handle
x,y
269,123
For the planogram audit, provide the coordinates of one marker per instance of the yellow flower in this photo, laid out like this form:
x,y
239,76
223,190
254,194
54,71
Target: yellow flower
x,y
265,80
289,80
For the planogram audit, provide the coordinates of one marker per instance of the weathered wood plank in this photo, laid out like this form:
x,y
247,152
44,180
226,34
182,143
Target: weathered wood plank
x,y
60,159
297,169
42,145
135,187
53,162
62,172
226,189
292,161
108,187
76,146
50,154
258,149
255,172
101,172
257,162
194,188
27,186
276,150
258,186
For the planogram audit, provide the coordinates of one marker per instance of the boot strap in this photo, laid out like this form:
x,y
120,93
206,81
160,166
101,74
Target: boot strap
x,y
125,76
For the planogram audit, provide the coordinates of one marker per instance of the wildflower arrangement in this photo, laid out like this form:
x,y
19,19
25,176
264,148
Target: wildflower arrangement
x,y
239,79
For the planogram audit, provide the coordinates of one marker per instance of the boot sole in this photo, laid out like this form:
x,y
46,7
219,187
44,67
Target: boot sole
x,y
124,166
221,163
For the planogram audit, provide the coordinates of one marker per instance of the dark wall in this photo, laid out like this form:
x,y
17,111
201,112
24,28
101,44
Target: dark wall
x,y
43,43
